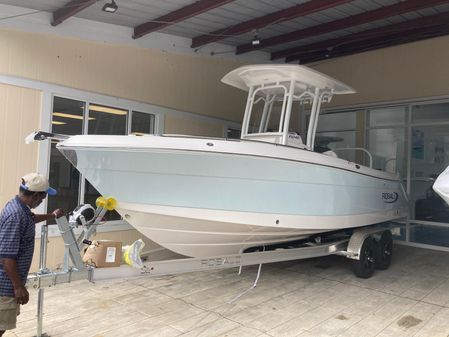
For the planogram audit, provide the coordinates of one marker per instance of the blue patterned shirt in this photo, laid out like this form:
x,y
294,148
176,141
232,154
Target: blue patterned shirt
x,y
17,232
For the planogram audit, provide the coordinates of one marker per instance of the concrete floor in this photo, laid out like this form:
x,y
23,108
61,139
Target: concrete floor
x,y
315,297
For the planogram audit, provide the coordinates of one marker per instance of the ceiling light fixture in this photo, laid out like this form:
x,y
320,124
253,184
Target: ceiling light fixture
x,y
108,110
255,41
65,115
58,123
110,7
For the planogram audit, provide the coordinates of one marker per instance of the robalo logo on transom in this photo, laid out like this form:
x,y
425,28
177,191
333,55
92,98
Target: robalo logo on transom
x,y
390,197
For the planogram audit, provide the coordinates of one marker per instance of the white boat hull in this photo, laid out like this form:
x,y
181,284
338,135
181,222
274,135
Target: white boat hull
x,y
202,197
202,233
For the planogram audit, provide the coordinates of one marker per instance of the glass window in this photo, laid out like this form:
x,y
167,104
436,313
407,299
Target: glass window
x,y
104,120
387,147
266,110
342,143
259,122
430,235
341,132
337,121
296,123
142,123
233,133
256,116
387,116
274,117
67,118
429,157
430,113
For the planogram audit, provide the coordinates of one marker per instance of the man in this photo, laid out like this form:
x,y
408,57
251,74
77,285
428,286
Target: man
x,y
17,232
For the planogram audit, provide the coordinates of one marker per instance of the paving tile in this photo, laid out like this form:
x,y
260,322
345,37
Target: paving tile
x,y
143,328
142,297
315,297
352,314
423,285
170,309
439,295
212,329
379,319
438,326
306,320
242,331
412,321
193,322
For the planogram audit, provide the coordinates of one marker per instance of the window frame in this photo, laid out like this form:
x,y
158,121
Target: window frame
x,y
130,107
407,126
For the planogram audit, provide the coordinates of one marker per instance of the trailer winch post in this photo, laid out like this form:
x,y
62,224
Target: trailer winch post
x,y
42,270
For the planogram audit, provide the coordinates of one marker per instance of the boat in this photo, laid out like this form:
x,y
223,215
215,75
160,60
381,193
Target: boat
x,y
202,197
441,186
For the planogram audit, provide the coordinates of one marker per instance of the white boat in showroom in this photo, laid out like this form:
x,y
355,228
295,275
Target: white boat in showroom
x,y
205,197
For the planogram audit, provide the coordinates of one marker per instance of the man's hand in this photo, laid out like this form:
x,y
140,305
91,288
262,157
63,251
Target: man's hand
x,y
58,213
21,294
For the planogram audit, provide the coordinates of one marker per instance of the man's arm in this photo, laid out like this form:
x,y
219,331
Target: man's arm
x,y
20,292
44,217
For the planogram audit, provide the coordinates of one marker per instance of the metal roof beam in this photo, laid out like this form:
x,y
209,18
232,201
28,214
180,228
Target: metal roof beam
x,y
374,39
269,19
351,21
394,41
181,14
70,9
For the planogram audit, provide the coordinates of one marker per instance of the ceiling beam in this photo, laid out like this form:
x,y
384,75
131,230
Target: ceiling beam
x,y
381,32
429,32
351,21
360,47
269,19
178,15
70,9
403,28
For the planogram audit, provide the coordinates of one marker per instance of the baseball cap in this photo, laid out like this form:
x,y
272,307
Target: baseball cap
x,y
35,182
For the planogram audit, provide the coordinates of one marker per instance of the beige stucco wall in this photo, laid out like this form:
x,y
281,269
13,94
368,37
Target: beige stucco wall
x,y
162,78
414,70
19,116
183,125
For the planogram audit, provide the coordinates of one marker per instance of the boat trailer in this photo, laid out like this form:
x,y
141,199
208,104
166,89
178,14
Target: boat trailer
x,y
369,248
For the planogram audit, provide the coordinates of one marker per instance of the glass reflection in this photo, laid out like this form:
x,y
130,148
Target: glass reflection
x,y
67,118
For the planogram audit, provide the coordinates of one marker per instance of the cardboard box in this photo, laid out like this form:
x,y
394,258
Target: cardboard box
x,y
103,253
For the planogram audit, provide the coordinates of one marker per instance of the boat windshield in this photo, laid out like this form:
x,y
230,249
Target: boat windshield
x,y
269,114
265,115
274,94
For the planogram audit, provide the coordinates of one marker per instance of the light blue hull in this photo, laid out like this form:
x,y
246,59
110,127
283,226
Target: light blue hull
x,y
235,183
201,203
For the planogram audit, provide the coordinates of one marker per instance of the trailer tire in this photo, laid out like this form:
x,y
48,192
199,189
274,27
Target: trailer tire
x,y
364,267
384,251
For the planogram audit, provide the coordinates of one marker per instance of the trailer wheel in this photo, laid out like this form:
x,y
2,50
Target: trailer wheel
x,y
384,251
364,268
